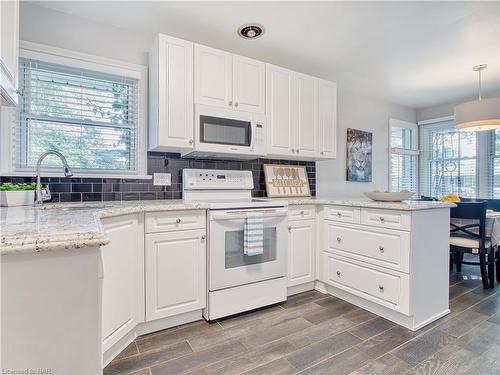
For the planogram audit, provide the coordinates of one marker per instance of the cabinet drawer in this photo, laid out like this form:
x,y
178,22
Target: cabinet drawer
x,y
174,220
342,213
386,218
301,212
386,248
365,282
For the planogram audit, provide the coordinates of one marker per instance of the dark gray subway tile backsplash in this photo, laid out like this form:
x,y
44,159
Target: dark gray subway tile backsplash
x,y
82,189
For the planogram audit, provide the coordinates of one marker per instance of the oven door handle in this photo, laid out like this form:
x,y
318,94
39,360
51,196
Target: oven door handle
x,y
242,214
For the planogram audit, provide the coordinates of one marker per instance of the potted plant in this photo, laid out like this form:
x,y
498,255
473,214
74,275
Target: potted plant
x,y
17,194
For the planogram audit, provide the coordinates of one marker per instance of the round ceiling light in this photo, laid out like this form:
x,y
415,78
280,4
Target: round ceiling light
x,y
251,31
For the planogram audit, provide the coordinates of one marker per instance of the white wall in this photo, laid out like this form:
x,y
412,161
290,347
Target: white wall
x,y
363,113
42,25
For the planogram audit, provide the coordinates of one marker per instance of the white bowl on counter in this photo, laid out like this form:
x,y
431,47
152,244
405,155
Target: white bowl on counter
x,y
385,196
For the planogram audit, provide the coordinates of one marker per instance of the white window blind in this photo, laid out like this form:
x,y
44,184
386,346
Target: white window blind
x,y
462,163
91,117
403,156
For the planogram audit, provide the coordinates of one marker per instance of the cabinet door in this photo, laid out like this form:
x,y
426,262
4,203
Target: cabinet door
x,y
249,84
280,110
123,277
171,94
328,119
175,273
301,252
213,75
306,126
9,51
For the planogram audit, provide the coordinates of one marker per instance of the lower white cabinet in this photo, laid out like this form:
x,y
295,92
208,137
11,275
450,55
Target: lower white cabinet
x,y
301,250
122,277
175,273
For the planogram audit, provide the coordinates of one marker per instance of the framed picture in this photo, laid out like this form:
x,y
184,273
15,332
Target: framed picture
x,y
286,181
359,156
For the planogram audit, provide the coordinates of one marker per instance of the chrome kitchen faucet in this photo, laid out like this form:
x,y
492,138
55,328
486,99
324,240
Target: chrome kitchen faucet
x,y
45,196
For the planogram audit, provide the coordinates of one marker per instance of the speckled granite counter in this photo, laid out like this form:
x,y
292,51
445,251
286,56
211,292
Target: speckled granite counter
x,y
69,226
73,226
404,206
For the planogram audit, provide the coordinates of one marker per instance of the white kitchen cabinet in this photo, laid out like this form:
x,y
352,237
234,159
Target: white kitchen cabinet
x,y
225,80
9,52
301,251
280,95
123,277
175,273
327,117
249,84
301,115
170,94
306,107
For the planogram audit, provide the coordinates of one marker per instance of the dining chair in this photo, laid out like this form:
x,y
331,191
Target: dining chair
x,y
470,237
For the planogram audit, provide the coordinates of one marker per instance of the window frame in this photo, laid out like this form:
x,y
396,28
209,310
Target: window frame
x,y
55,55
413,151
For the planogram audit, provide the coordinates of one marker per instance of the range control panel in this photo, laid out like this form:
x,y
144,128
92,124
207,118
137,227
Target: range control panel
x,y
208,179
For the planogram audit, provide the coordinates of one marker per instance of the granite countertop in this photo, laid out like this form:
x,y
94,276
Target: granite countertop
x,y
54,226
408,205
74,226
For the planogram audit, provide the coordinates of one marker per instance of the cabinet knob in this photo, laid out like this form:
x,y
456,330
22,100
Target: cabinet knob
x,y
178,221
293,150
381,248
339,273
236,104
203,237
339,214
298,150
382,219
289,228
381,288
302,213
322,152
230,103
191,141
339,239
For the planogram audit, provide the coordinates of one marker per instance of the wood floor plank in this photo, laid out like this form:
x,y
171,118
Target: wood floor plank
x,y
423,346
274,333
340,364
278,367
360,316
482,338
169,337
131,349
302,298
329,311
251,359
250,316
143,360
372,328
198,359
463,323
387,365
488,363
386,341
319,351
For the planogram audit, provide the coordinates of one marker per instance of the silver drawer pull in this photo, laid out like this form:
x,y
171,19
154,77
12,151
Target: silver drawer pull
x,y
203,237
230,103
382,219
302,213
339,274
381,288
289,228
339,239
339,214
381,248
178,221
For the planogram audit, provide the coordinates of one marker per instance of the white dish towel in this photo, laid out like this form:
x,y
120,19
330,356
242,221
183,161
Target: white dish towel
x,y
253,230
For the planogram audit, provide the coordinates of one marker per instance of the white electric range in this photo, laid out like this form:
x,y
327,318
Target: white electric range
x,y
238,282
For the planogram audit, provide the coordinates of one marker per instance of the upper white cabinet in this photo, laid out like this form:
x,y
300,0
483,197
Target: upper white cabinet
x,y
123,277
301,115
9,52
280,110
170,94
327,115
229,81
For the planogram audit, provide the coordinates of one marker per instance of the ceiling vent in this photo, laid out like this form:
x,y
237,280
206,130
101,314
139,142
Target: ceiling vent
x,y
251,31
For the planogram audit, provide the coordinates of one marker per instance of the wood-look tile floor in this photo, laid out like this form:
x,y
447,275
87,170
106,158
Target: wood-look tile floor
x,y
313,333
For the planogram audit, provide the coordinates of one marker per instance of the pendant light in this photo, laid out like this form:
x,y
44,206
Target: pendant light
x,y
478,115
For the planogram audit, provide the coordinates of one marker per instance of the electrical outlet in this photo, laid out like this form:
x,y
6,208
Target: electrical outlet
x,y
162,179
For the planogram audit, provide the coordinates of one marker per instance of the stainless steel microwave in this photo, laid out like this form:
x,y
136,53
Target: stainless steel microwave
x,y
228,134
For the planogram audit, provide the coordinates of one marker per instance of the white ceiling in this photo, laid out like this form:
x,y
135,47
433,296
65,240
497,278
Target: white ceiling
x,y
417,54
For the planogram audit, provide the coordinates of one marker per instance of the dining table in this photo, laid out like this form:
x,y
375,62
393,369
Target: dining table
x,y
492,226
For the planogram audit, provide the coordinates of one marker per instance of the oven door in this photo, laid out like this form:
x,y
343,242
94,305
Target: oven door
x,y
228,265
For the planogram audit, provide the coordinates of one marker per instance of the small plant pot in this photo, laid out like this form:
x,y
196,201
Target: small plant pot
x,y
17,198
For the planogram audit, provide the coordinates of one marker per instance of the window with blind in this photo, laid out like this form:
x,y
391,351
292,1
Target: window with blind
x,y
403,156
91,117
463,163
